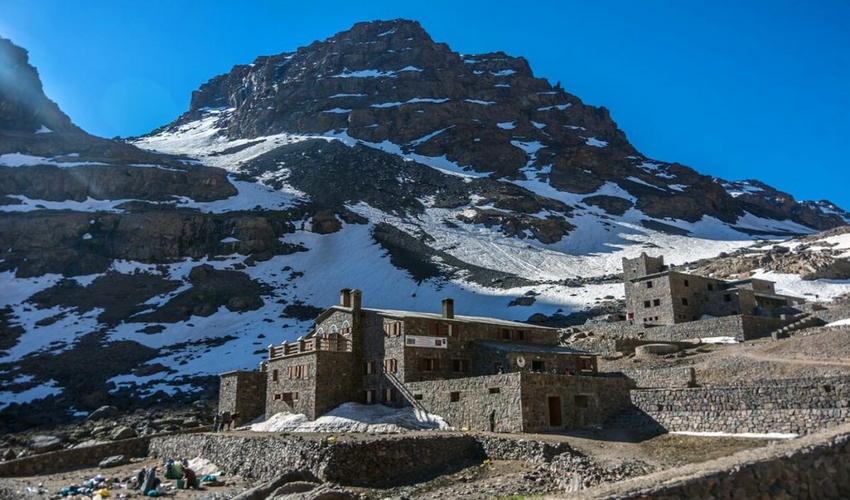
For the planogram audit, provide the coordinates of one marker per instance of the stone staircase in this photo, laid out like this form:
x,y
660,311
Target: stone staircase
x,y
796,322
405,392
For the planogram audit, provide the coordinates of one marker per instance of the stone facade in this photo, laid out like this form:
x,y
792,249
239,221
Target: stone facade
x,y
238,394
524,401
354,354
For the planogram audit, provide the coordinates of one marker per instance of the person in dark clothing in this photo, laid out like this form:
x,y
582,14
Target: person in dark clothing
x,y
190,477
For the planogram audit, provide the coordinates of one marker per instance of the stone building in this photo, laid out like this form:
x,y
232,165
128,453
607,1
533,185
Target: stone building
x,y
238,394
658,295
473,371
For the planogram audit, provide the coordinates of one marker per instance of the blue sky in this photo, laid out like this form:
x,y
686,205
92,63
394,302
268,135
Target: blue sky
x,y
734,89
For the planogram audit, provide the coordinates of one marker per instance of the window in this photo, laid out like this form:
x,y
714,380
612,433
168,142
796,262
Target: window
x,y
581,400
333,329
392,329
369,367
429,364
417,397
585,364
649,284
538,366
452,330
710,287
646,303
684,301
656,302
389,395
520,334
454,396
297,371
687,283
346,327
274,375
390,365
727,298
460,365
289,396
277,397
370,396
494,390
505,333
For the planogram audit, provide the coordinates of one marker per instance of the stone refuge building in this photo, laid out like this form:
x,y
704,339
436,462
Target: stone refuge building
x,y
667,305
658,295
475,372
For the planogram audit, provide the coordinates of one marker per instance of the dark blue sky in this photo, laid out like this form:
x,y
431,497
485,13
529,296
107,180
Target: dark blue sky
x,y
734,89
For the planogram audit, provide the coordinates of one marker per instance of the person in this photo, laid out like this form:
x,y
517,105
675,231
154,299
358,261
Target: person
x,y
216,421
225,420
190,477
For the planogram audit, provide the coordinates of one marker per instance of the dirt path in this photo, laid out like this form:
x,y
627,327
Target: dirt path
x,y
797,361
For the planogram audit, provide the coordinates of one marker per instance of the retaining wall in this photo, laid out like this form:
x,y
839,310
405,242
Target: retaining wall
x,y
74,458
784,406
352,461
742,327
658,378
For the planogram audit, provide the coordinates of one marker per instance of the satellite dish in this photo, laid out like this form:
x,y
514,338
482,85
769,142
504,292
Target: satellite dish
x,y
520,361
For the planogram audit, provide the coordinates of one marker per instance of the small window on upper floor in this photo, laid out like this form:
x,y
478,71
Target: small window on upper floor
x,y
684,301
656,302
727,298
646,303
710,287
687,283
649,284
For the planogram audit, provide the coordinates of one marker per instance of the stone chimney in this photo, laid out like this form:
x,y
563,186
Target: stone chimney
x,y
345,297
448,308
356,299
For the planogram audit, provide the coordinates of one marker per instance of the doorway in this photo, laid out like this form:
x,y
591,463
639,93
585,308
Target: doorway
x,y
555,411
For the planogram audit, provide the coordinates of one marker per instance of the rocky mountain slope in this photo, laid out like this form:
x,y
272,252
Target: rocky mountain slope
x,y
378,159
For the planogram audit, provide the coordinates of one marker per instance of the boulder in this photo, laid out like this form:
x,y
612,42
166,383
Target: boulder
x,y
122,432
44,444
113,461
104,412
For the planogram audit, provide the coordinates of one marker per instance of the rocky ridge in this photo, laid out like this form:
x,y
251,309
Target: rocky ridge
x,y
389,82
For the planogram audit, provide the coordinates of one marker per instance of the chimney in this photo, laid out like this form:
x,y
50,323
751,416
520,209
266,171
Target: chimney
x,y
448,308
356,299
345,297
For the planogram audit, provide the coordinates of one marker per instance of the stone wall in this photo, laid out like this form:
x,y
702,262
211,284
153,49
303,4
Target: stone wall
x,y
89,456
348,461
354,461
470,402
742,327
683,376
815,466
784,406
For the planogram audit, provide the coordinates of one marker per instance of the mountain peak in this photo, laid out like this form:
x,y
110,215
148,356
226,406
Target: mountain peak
x,y
23,105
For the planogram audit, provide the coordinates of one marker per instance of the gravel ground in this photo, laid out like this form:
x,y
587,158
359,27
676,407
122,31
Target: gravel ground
x,y
810,353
